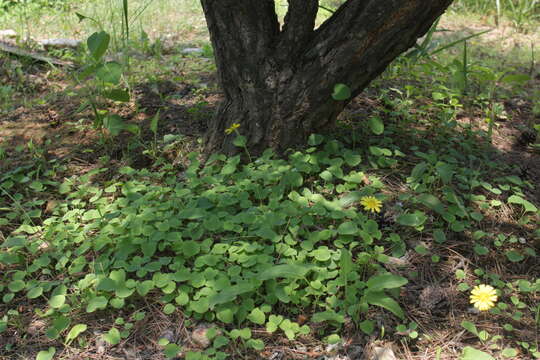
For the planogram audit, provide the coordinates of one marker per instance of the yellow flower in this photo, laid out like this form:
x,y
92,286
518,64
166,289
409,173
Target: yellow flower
x,y
483,297
232,128
371,203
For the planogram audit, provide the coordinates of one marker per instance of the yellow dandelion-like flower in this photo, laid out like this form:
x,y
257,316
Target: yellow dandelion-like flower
x,y
371,203
232,128
483,297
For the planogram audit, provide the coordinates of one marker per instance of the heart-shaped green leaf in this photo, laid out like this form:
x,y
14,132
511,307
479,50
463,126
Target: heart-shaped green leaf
x,y
341,92
376,125
46,354
98,43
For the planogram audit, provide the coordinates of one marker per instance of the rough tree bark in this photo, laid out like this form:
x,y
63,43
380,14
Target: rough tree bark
x,y
278,80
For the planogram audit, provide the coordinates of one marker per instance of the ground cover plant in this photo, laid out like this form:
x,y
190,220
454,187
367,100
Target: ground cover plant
x,y
121,239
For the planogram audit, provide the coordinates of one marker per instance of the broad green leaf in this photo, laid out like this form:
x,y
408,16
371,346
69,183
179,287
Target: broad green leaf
x,y
326,176
376,125
122,292
16,285
273,323
96,303
445,171
182,299
514,256
220,341
85,72
191,248
154,123
419,170
231,293
169,309
328,316
46,354
172,350
144,287
284,271
292,179
200,306
367,326
333,339
315,139
510,353
432,202
225,315
257,316
516,79
8,297
469,326
351,158
117,95
346,264
35,292
470,353
57,301
98,43
256,344
58,325
347,228
438,96
322,253
463,287
377,283
481,250
352,197
113,123
483,335
110,72
341,92
415,219
528,206
112,336
439,236
244,333
106,284
384,301
75,331
240,141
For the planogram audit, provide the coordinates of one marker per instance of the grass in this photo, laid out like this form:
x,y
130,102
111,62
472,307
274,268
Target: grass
x,y
128,244
45,22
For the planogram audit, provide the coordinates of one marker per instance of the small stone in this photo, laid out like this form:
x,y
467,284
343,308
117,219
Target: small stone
x,y
131,354
401,262
276,355
333,348
200,335
100,342
36,327
431,296
192,51
383,353
8,34
355,352
50,44
169,335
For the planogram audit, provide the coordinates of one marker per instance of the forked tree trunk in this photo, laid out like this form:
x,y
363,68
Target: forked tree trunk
x,y
278,81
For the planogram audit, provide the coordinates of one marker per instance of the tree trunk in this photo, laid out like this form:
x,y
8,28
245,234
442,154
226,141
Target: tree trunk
x,y
278,82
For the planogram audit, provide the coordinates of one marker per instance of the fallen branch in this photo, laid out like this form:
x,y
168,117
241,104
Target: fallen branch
x,y
15,50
